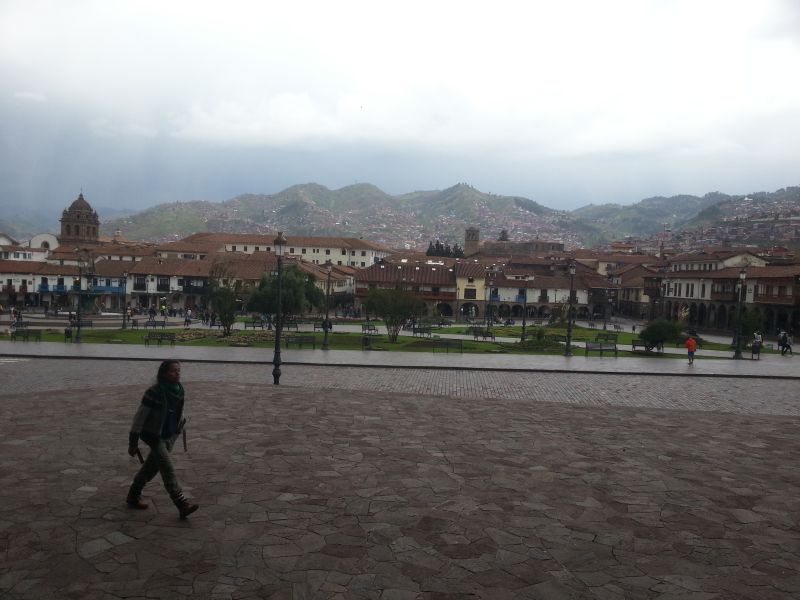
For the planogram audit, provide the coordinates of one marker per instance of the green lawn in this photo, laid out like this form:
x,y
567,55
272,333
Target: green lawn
x,y
353,341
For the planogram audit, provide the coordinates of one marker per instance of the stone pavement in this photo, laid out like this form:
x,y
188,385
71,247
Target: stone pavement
x,y
770,366
310,490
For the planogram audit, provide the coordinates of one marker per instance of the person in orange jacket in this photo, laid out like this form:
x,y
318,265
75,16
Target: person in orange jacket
x,y
691,348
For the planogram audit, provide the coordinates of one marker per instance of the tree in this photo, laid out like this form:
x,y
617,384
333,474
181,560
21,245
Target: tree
x,y
503,236
458,251
394,307
660,331
299,293
224,289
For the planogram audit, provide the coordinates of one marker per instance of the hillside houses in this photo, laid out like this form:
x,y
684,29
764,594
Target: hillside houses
x,y
507,280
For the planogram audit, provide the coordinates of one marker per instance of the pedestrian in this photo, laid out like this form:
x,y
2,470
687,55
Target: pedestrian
x,y
691,348
187,321
158,422
785,343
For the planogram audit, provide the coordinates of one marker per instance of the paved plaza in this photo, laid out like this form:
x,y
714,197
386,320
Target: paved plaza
x,y
403,483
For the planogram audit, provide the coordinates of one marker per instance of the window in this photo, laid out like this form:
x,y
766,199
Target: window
x,y
180,282
327,251
470,280
352,253
233,248
363,265
469,294
338,262
303,251
702,290
363,253
435,290
291,250
344,252
245,248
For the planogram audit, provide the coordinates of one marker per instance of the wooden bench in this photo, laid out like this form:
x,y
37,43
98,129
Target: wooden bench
x,y
447,344
484,334
422,330
26,334
601,347
159,337
647,346
369,328
606,337
154,324
300,340
290,323
134,323
254,323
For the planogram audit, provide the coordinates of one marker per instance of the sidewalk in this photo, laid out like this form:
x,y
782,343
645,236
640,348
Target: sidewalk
x,y
770,366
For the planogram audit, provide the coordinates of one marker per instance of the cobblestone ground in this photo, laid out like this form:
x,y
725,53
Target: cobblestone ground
x,y
742,396
339,485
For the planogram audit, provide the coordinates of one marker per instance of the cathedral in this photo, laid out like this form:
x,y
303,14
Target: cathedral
x,y
79,224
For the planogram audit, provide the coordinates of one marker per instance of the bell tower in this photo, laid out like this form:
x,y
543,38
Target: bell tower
x,y
472,238
79,223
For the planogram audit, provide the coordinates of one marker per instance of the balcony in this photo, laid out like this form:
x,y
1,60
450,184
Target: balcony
x,y
163,288
44,287
107,289
139,287
7,289
494,297
784,300
188,288
723,296
544,299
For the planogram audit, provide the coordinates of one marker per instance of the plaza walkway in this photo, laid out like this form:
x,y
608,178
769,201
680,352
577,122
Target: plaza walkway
x,y
400,476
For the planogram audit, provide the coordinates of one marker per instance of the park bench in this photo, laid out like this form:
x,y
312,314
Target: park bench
x,y
152,323
447,344
300,340
606,336
601,347
319,326
26,334
254,323
422,330
369,328
159,337
592,325
134,323
291,324
484,334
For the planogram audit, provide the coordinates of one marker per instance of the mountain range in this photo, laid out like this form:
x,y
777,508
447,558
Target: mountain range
x,y
414,219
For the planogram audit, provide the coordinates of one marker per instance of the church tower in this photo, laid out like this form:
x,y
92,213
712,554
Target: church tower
x,y
79,224
471,239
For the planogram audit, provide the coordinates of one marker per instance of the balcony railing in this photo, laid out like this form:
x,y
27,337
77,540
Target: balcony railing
x,y
521,298
139,287
107,289
724,296
44,287
494,297
162,288
781,300
188,288
544,299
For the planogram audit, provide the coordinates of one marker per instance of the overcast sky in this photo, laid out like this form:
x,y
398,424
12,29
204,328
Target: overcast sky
x,y
566,102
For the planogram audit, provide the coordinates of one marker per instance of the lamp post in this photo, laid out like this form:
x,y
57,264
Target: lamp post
x,y
740,290
664,299
524,310
83,269
568,348
489,314
280,246
325,325
125,300
458,309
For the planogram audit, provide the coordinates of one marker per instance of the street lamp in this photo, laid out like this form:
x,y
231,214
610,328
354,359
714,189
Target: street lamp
x,y
489,314
326,325
524,310
740,290
125,300
568,349
83,269
280,246
458,309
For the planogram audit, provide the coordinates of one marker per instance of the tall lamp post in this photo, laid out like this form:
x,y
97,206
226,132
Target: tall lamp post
x,y
489,314
280,246
524,311
326,325
84,269
458,309
125,300
568,348
740,290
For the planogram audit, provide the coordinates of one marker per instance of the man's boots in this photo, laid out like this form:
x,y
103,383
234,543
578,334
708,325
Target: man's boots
x,y
134,499
185,508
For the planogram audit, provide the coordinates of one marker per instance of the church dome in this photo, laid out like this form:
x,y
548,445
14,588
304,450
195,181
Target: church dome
x,y
80,204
